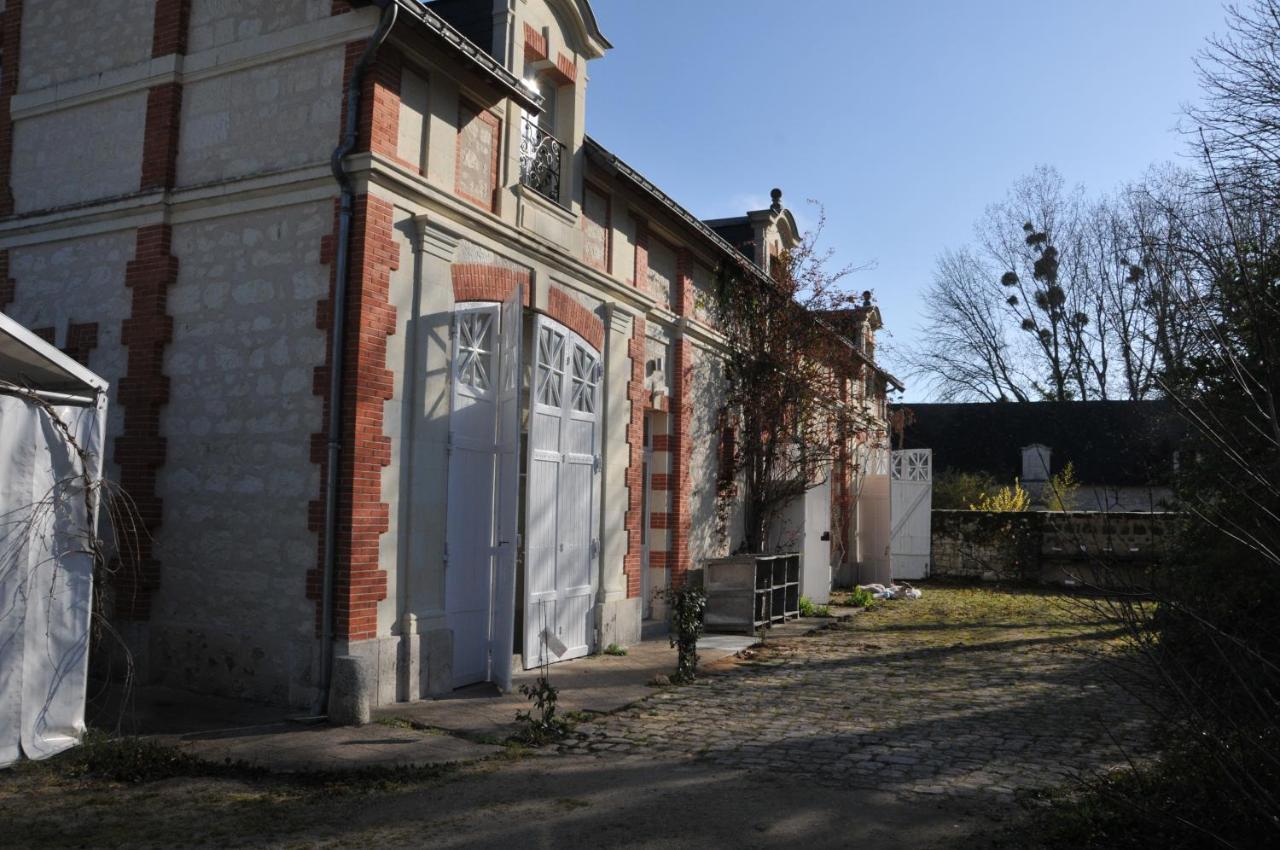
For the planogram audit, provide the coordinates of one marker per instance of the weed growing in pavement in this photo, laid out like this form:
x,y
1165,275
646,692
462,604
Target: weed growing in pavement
x,y
540,725
808,609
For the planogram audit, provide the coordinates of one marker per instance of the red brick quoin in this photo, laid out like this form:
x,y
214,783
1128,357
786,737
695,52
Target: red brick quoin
x,y
681,456
8,288
363,517
633,563
142,393
10,43
169,33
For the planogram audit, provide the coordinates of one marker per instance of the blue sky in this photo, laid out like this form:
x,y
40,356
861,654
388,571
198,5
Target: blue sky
x,y
905,118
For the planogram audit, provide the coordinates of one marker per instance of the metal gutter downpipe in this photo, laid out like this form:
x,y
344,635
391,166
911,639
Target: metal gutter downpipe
x,y
337,339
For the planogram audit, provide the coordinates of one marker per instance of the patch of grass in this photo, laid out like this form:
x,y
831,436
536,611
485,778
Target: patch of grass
x,y
614,649
1176,803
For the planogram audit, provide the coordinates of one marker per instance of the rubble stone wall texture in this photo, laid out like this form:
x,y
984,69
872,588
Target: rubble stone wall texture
x,y
267,118
66,143
1045,546
238,474
218,22
75,281
64,40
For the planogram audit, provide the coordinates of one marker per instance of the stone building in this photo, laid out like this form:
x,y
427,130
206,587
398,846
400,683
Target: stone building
x,y
526,417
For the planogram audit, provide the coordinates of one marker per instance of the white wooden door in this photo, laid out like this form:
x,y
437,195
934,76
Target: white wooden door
x,y
911,500
815,559
562,503
507,500
471,542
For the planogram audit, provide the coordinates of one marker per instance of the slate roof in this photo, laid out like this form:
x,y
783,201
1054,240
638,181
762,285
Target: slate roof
x,y
738,232
1115,443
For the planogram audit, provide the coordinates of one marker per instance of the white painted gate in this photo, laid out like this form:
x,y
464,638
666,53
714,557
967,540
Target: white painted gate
x,y
483,490
874,523
562,501
815,559
911,498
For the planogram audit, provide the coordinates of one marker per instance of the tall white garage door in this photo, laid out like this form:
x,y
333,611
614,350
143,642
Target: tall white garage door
x,y
562,505
484,433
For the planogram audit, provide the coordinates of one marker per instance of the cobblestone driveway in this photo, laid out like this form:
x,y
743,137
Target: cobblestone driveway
x,y
970,693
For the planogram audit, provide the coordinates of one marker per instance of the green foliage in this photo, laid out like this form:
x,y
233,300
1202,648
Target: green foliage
x,y
134,760
1060,490
808,609
954,490
614,649
688,604
1004,500
860,597
540,725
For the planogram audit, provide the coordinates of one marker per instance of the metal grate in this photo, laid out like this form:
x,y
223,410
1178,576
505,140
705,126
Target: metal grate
x,y
541,155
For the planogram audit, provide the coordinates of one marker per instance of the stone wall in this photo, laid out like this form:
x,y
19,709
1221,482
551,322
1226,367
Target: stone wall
x,y
266,118
69,143
77,281
1046,546
238,475
65,40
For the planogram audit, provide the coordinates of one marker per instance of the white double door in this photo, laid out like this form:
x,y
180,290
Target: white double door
x,y
484,490
561,492
562,505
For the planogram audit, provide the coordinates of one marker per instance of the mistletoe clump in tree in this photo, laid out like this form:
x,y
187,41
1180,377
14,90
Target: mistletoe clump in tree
x,y
791,378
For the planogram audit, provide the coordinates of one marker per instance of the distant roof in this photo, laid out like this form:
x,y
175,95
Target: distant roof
x,y
1119,443
738,232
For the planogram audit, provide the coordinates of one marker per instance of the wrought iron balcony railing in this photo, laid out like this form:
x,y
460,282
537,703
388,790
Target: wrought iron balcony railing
x,y
541,155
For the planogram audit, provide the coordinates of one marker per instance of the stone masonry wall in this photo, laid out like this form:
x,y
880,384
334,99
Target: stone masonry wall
x,y
1044,546
267,118
60,143
78,281
218,22
238,472
65,40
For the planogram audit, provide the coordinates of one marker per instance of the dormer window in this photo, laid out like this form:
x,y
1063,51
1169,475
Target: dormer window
x,y
542,154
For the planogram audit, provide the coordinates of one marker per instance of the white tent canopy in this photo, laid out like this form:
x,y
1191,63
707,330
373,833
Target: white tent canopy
x,y
52,428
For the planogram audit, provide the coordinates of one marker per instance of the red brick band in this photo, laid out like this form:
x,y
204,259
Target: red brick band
x,y
564,309
482,282
535,45
641,279
566,71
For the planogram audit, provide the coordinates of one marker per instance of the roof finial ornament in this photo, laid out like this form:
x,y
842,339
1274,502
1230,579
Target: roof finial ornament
x,y
776,194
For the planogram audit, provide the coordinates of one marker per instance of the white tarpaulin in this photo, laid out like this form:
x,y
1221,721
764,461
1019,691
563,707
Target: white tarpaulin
x,y
48,506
